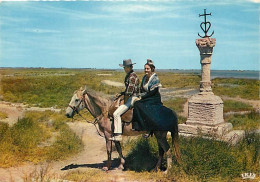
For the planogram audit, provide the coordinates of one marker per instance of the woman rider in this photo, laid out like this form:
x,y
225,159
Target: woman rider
x,y
149,113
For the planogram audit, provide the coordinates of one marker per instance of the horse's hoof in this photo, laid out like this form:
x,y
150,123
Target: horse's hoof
x,y
120,168
156,169
165,172
153,170
105,169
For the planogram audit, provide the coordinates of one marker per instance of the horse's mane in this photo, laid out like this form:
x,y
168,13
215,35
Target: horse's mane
x,y
101,99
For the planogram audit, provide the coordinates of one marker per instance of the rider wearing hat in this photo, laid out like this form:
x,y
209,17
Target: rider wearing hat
x,y
130,95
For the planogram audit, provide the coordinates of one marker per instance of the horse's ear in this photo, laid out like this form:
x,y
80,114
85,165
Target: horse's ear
x,y
81,89
85,88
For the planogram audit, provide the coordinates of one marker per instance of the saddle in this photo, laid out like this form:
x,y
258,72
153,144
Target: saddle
x,y
127,116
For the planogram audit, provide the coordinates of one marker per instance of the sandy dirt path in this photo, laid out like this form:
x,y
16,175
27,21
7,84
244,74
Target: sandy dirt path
x,y
92,156
12,111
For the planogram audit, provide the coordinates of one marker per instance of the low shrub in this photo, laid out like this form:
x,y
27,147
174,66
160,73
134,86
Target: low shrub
x,y
22,141
202,159
142,154
236,106
67,143
176,80
176,104
234,87
208,158
27,133
19,141
248,121
3,115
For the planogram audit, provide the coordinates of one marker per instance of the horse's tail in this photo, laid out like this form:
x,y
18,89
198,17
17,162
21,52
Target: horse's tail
x,y
175,144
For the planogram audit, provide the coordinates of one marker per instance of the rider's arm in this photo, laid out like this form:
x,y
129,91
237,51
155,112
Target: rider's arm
x,y
149,94
133,81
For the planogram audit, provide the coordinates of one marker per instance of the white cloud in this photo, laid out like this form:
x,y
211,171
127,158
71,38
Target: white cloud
x,y
41,31
131,8
50,9
129,13
254,1
12,20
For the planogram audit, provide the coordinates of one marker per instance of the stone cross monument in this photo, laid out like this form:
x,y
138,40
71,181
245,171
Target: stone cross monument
x,y
205,110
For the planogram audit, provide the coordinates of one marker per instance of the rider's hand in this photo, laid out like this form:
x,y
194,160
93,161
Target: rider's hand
x,y
137,99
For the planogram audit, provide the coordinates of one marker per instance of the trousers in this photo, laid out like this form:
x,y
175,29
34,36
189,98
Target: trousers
x,y
121,110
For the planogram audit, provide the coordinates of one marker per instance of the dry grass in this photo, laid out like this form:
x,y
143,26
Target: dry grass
x,y
23,141
233,87
235,106
246,122
41,173
202,159
44,88
96,175
3,115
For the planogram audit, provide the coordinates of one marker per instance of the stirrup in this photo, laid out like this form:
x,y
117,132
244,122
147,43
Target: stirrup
x,y
117,138
147,135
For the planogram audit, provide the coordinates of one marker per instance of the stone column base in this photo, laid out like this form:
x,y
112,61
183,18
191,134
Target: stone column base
x,y
212,131
205,108
233,137
205,118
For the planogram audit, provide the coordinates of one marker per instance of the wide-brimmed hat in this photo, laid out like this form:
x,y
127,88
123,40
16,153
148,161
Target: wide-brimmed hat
x,y
126,62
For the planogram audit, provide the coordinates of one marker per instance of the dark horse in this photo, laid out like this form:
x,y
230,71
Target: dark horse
x,y
98,106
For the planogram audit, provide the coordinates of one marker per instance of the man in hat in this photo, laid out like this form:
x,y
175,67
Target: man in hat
x,y
130,94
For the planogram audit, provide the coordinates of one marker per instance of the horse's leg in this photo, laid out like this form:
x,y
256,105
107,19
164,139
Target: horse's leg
x,y
162,141
159,162
119,150
109,151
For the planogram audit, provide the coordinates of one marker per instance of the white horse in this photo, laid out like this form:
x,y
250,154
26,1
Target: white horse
x,y
99,106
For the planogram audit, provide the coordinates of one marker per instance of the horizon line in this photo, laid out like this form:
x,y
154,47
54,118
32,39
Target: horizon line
x,y
21,67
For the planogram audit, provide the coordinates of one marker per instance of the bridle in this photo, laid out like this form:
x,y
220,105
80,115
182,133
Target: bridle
x,y
75,109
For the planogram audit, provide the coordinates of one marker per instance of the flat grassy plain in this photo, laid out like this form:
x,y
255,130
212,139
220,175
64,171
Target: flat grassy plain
x,y
54,87
203,160
243,88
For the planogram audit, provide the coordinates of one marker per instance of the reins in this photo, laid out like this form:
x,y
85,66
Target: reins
x,y
94,123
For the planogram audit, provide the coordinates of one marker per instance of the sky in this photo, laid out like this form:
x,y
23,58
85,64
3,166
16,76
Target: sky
x,y
101,34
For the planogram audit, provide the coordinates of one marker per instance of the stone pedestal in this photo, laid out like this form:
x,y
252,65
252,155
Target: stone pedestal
x,y
205,110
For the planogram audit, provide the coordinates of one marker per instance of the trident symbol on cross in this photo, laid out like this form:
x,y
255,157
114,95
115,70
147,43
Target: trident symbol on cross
x,y
205,30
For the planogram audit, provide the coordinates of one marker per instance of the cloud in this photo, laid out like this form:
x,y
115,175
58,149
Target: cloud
x,y
254,1
130,12
41,31
8,20
133,8
52,9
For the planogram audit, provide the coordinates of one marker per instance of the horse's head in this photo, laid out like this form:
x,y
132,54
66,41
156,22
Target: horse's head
x,y
76,104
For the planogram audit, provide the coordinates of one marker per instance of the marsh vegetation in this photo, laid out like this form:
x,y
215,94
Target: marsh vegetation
x,y
45,136
38,137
